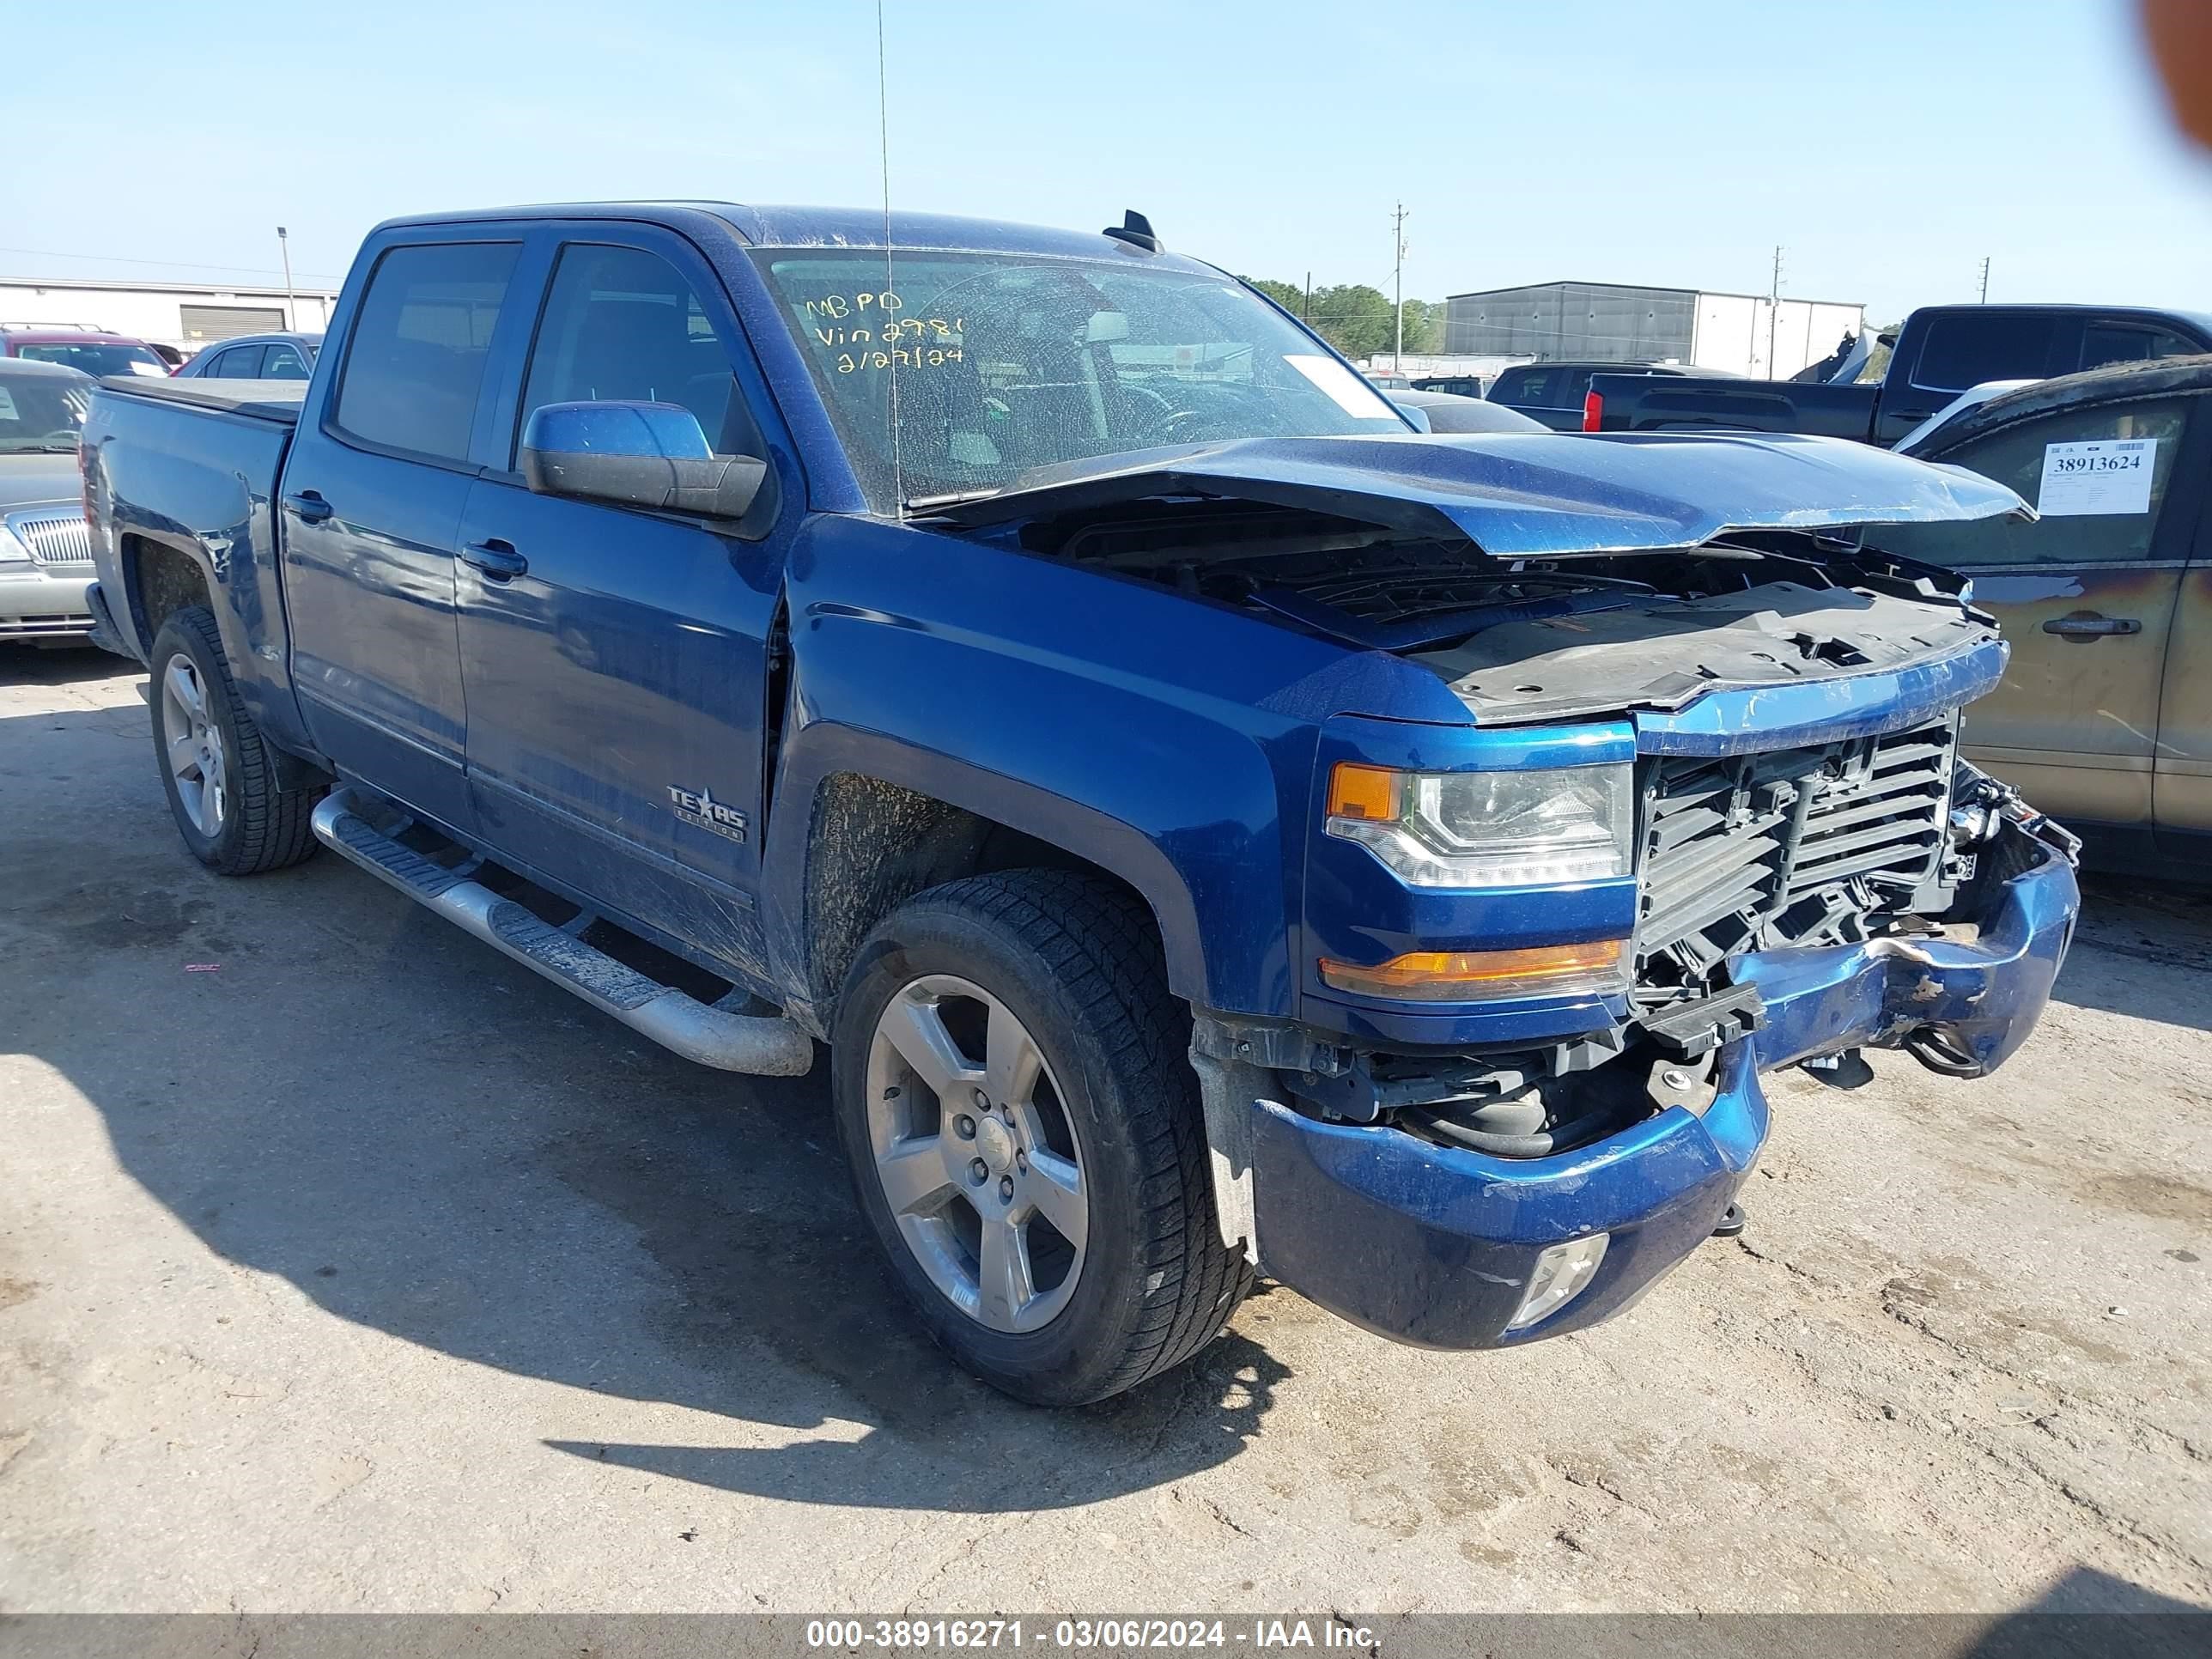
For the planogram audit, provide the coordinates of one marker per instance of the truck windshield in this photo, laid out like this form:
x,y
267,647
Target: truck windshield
x,y
1007,363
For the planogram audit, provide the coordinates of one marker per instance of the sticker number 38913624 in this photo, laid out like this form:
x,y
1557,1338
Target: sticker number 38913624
x,y
2108,474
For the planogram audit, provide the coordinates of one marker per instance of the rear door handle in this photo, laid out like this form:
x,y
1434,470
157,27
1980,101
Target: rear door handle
x,y
496,559
311,507
2090,626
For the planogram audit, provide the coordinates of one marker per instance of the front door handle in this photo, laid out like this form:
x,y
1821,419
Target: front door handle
x,y
2088,625
310,507
496,559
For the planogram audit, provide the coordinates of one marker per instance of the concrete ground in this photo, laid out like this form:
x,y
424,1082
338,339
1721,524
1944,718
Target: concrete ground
x,y
344,1265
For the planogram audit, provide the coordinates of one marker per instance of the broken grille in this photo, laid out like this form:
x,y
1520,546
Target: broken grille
x,y
1794,846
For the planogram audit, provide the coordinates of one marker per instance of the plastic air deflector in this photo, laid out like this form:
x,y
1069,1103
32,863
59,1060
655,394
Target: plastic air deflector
x,y
767,1045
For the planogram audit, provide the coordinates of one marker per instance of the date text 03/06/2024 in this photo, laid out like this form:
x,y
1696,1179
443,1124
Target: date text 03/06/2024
x,y
1078,1635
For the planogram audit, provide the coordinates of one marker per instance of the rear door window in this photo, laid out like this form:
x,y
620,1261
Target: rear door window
x,y
1531,388
240,363
1965,349
415,367
2131,343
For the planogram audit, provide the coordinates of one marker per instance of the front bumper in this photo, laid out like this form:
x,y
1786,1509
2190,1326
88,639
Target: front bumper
x,y
1436,1245
40,604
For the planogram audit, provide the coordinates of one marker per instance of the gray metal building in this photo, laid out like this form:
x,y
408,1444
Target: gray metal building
x,y
1589,322
1620,322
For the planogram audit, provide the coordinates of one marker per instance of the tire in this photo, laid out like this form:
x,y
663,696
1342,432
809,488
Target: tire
x,y
203,732
1077,965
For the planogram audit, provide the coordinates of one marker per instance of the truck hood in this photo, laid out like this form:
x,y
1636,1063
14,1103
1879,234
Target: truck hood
x,y
1524,495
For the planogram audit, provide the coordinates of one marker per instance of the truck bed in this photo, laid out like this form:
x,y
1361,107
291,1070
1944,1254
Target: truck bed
x,y
263,400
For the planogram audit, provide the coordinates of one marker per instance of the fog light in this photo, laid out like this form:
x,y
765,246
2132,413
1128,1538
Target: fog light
x,y
1563,1273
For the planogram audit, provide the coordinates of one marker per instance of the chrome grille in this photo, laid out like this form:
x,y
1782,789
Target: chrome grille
x,y
54,538
1794,846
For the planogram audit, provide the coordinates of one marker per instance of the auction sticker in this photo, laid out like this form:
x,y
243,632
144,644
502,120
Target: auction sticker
x,y
2111,475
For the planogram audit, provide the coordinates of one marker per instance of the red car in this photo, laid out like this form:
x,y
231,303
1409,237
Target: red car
x,y
95,350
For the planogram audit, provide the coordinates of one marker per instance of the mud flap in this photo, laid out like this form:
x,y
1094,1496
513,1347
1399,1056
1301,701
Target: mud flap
x,y
1228,1088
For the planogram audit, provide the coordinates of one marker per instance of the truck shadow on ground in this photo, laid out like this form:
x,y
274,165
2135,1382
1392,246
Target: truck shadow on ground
x,y
430,1141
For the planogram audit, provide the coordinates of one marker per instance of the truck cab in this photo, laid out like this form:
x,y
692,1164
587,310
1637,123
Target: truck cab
x,y
1213,826
1941,352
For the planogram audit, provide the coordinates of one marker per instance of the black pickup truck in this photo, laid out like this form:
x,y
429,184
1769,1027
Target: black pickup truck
x,y
1941,351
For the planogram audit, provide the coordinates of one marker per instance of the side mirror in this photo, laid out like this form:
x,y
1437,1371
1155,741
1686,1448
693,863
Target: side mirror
x,y
652,455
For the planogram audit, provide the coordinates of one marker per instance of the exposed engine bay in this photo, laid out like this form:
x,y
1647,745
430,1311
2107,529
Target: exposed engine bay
x,y
1527,640
1836,843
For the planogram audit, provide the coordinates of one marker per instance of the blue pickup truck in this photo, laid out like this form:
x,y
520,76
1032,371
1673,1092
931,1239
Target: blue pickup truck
x,y
1213,826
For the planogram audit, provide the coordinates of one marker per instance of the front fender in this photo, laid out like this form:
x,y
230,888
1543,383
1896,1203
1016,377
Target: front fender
x,y
1169,741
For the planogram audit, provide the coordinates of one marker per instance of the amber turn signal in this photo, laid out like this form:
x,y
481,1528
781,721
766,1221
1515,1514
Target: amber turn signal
x,y
1374,793
1473,975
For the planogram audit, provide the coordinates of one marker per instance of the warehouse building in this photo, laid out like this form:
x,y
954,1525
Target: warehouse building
x,y
1614,322
185,315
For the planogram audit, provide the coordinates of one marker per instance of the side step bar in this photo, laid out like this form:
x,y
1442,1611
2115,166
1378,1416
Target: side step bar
x,y
765,1045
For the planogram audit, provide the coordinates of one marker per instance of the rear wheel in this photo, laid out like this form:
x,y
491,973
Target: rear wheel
x,y
219,775
1014,1098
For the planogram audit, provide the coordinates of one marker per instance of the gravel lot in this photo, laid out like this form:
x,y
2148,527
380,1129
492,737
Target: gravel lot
x,y
366,1270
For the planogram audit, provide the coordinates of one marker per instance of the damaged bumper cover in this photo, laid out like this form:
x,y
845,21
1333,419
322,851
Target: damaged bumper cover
x,y
1438,1246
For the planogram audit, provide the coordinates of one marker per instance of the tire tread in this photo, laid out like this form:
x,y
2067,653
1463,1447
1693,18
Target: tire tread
x,y
276,827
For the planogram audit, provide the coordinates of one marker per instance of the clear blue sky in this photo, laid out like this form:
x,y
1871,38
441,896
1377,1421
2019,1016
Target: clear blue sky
x,y
1888,146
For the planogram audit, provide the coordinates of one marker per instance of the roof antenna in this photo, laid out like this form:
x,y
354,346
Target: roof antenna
x,y
1136,230
890,358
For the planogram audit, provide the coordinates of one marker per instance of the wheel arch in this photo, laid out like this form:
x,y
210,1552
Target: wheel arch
x,y
876,832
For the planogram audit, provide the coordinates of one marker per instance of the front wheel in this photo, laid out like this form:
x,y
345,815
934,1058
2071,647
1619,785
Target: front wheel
x,y
1014,1098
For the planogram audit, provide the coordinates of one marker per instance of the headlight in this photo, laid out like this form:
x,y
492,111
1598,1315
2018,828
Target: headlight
x,y
13,549
1535,828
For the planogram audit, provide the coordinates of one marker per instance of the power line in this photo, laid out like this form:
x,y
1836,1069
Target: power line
x,y
166,265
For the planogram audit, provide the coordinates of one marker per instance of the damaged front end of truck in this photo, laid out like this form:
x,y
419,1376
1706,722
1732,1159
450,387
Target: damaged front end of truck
x,y
1705,817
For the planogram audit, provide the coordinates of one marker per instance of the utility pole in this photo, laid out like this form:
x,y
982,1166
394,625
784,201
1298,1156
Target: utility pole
x,y
1398,286
1773,309
1985,279
291,306
1306,316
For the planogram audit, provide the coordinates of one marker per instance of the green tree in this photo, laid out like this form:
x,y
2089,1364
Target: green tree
x,y
1424,325
1355,318
1289,295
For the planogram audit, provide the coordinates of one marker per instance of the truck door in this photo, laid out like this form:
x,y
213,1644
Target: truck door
x,y
372,493
2181,781
615,657
2086,595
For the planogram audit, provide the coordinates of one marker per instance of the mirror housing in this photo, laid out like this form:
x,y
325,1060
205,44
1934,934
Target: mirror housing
x,y
648,455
